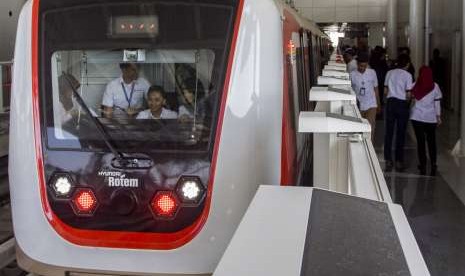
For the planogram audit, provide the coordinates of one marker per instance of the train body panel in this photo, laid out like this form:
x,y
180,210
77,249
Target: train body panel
x,y
248,155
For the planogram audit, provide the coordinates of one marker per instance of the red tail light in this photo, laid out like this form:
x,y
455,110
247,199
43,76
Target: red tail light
x,y
84,202
165,204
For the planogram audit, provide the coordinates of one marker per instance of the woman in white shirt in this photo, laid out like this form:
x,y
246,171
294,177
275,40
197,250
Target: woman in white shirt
x,y
425,116
156,100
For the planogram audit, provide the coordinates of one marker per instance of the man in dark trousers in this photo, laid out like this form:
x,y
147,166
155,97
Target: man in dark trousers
x,y
397,88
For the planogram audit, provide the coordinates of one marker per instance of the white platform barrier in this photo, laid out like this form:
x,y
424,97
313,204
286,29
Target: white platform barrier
x,y
344,158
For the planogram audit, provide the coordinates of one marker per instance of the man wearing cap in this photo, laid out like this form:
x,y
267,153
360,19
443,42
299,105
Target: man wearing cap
x,y
365,84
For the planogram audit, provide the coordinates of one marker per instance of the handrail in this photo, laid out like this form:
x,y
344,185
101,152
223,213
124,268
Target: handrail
x,y
6,62
378,172
365,176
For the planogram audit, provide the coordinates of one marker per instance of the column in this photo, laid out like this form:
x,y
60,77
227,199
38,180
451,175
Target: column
x,y
427,31
417,32
392,29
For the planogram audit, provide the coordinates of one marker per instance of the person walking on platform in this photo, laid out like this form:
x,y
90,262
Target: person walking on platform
x,y
411,68
425,116
365,84
349,59
379,64
398,84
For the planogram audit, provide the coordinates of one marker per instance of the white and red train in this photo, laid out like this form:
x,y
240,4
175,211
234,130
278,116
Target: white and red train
x,y
125,196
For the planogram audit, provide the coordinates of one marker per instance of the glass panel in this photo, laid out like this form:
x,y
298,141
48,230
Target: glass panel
x,y
132,74
160,98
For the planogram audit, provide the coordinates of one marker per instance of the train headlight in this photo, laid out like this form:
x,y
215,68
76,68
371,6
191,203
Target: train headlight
x,y
190,189
164,204
62,185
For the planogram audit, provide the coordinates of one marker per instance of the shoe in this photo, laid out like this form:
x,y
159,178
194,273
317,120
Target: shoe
x,y
422,169
400,166
388,166
434,170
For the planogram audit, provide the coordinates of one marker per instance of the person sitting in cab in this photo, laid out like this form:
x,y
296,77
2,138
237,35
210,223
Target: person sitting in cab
x,y
66,84
156,100
193,97
124,96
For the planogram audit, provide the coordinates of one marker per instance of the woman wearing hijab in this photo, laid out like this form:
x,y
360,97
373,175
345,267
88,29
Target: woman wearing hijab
x,y
426,116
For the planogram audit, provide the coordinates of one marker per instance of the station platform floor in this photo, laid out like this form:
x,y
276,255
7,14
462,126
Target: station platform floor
x,y
435,206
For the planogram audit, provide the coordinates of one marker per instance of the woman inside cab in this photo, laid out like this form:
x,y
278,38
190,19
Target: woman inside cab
x,y
193,101
156,101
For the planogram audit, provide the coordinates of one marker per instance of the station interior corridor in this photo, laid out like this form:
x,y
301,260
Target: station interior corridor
x,y
435,206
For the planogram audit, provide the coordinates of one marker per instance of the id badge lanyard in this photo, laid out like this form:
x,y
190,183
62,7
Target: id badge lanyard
x,y
362,89
128,98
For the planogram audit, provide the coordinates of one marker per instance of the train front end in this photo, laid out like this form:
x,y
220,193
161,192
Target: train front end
x,y
122,194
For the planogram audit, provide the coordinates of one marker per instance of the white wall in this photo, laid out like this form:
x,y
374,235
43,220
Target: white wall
x,y
446,20
328,11
375,34
403,14
8,26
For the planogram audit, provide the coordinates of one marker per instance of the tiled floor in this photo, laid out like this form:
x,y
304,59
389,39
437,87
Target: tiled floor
x,y
435,212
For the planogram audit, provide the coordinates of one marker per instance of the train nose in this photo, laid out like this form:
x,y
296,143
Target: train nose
x,y
123,202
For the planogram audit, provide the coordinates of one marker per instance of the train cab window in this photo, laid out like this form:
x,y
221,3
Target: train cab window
x,y
84,90
155,95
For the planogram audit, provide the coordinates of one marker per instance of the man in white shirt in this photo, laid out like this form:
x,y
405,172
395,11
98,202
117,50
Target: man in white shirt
x,y
398,85
365,84
349,59
124,96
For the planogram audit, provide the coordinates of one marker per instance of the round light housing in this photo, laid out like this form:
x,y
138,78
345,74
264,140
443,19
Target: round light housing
x,y
62,185
190,189
164,204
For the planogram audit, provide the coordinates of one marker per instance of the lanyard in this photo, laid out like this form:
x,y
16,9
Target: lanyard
x,y
128,98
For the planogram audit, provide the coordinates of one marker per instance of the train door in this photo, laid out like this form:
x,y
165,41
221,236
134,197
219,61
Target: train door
x,y
311,65
314,60
318,54
305,175
305,70
295,80
299,86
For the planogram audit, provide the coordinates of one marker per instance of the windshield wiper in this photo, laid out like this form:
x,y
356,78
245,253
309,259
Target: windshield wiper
x,y
122,161
106,137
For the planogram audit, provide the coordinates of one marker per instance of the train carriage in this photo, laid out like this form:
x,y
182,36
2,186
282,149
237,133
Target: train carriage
x,y
118,194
